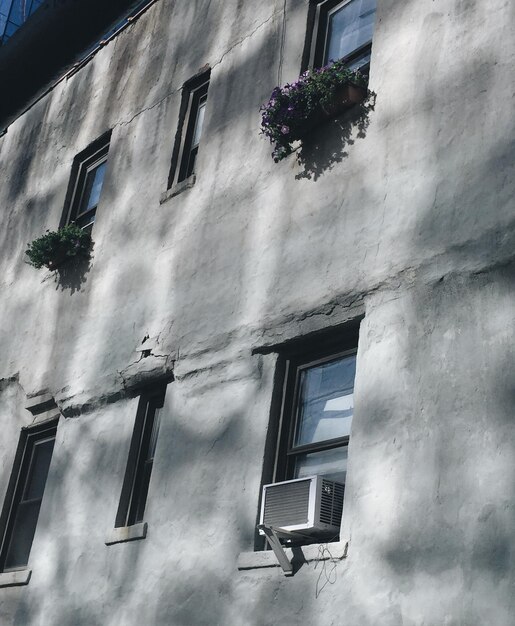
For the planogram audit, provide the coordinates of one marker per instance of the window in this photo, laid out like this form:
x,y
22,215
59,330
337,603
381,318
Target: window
x,y
25,493
311,417
317,416
86,184
141,459
189,132
343,30
13,14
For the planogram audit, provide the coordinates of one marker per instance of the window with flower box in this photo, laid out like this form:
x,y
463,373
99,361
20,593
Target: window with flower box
x,y
342,30
86,183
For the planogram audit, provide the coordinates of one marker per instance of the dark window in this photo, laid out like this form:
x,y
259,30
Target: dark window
x,y
317,416
128,16
189,132
343,30
141,458
87,181
25,494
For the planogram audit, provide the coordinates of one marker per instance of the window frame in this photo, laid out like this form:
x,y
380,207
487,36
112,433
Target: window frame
x,y
194,95
321,344
286,451
85,162
318,23
134,496
20,474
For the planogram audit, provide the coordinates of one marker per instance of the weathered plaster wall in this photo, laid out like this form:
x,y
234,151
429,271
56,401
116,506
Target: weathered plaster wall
x,y
410,224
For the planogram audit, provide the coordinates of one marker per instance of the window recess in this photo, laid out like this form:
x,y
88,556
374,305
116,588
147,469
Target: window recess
x,y
190,128
141,459
305,472
86,183
25,494
317,416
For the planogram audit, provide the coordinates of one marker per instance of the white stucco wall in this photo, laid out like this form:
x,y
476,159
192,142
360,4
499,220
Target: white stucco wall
x,y
410,225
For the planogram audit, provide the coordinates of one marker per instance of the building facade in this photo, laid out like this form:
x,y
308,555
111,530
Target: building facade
x,y
346,312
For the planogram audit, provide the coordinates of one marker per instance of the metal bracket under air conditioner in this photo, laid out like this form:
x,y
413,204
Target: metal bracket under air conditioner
x,y
272,538
275,544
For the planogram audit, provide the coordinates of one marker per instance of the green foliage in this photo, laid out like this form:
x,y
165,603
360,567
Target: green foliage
x,y
292,108
58,246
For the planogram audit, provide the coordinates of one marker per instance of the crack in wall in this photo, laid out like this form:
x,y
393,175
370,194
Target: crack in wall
x,y
228,51
240,41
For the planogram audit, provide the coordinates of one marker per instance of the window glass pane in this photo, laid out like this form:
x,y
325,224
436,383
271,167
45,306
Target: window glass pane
x,y
86,221
5,5
35,5
329,463
191,162
143,492
93,187
349,28
23,534
38,471
16,14
147,437
155,430
10,29
199,123
325,401
19,10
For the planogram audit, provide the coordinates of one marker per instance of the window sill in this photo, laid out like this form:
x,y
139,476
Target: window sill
x,y
178,188
15,579
306,554
126,533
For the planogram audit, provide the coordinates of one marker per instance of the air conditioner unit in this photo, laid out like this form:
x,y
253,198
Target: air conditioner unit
x,y
310,507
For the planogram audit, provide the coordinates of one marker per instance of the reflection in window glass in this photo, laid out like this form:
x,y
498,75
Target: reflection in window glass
x,y
197,97
349,28
326,402
88,182
199,123
141,459
329,463
27,498
13,14
93,187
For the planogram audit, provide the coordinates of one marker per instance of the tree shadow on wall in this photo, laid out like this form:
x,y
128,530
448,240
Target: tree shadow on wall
x,y
72,274
328,143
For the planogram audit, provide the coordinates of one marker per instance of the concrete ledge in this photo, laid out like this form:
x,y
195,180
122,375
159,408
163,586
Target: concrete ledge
x,y
15,579
187,183
41,403
126,533
313,552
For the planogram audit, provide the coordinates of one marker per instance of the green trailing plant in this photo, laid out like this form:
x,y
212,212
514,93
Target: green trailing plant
x,y
56,247
293,108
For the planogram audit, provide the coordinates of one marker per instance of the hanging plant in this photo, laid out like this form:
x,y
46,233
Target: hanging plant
x,y
57,247
293,110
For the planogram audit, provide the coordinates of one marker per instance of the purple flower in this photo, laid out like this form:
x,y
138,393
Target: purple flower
x,y
285,129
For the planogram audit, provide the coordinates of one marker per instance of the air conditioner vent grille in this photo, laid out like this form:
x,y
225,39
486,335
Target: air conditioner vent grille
x,y
331,502
287,504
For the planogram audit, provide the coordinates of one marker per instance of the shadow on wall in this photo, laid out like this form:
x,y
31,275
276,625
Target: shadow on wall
x,y
72,274
457,522
322,150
